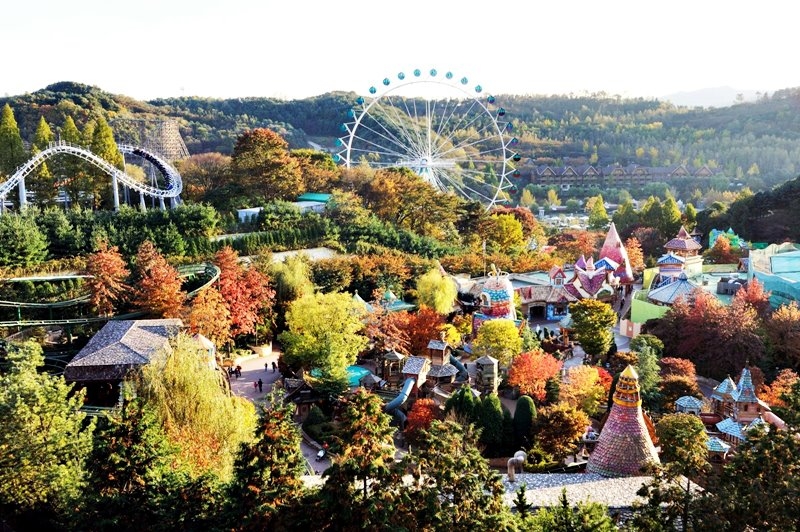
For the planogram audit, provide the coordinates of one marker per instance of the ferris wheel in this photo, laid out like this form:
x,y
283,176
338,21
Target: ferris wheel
x,y
454,137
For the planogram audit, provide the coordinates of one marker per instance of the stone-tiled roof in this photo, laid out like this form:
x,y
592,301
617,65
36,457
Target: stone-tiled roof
x,y
415,365
437,345
548,294
486,360
121,345
444,370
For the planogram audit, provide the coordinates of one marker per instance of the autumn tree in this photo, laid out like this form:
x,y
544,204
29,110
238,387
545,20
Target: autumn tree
x,y
437,291
721,252
45,437
635,254
106,282
158,286
420,417
246,292
104,146
423,326
209,316
388,331
783,334
195,408
267,471
317,168
598,217
573,243
582,389
753,295
673,387
530,371
592,322
676,366
503,233
498,338
324,332
783,383
558,428
262,167
204,174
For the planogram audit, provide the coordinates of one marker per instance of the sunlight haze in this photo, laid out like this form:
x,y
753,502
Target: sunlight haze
x,y
151,49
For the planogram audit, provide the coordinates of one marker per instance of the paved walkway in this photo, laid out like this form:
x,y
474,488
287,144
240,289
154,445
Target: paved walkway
x,y
254,369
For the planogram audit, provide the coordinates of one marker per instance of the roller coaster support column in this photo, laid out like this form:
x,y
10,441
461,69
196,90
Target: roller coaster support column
x,y
23,195
2,204
115,191
142,204
161,203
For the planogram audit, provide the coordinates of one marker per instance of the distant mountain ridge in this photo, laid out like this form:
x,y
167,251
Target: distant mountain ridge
x,y
711,97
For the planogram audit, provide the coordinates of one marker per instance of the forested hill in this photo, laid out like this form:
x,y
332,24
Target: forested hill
x,y
767,216
758,140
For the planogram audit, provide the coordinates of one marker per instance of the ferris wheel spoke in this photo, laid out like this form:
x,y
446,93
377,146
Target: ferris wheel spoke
x,y
392,143
411,135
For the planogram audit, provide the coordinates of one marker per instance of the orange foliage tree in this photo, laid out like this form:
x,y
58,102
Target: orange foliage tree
x,y
420,418
210,317
635,253
530,372
754,296
159,287
782,384
783,333
423,326
389,330
246,292
106,282
676,366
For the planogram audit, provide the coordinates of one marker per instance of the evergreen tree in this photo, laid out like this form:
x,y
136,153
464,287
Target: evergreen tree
x,y
267,473
456,488
45,438
490,421
71,172
583,517
524,418
12,150
363,472
41,181
21,241
103,145
463,405
598,217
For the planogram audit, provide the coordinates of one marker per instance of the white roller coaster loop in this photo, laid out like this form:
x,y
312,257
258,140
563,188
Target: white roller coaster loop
x,y
173,178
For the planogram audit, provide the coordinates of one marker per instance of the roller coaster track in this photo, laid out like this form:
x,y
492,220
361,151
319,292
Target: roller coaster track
x,y
173,178
210,270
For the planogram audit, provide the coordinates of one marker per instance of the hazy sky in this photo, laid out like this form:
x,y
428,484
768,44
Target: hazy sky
x,y
293,48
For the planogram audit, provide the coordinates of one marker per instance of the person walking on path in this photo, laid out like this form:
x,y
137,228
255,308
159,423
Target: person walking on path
x,y
260,385
274,366
255,385
266,367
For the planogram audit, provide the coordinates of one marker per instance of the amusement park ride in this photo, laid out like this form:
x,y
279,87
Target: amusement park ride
x,y
454,137
152,154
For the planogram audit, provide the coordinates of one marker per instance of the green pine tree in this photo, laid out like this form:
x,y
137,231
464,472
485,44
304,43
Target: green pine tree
x,y
12,150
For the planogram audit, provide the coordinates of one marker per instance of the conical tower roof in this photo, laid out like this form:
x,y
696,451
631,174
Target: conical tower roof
x,y
624,447
614,250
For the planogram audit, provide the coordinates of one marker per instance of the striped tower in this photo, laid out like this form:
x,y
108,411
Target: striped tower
x,y
624,447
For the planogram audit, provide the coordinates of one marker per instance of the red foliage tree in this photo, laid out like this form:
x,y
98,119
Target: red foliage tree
x,y
420,418
605,379
572,244
159,285
677,366
106,282
718,339
530,372
423,326
754,296
389,330
635,254
246,292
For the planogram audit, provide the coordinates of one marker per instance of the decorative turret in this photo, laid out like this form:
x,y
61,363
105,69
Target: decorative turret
x,y
624,447
497,297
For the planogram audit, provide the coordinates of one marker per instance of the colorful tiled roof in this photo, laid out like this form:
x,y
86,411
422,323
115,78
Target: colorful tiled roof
x,y
624,447
745,389
725,390
614,250
688,401
715,445
668,293
731,428
671,258
756,422
606,264
683,242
